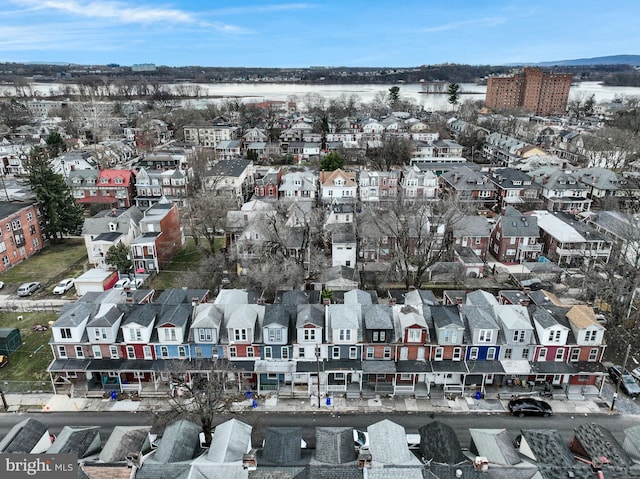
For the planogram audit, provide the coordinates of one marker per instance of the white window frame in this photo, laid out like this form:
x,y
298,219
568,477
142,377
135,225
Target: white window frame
x,y
268,352
438,355
473,354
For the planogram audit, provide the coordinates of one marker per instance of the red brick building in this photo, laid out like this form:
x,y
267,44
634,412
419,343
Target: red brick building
x,y
543,93
20,235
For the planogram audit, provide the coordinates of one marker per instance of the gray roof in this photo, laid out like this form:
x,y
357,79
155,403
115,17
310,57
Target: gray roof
x,y
310,313
82,440
278,314
343,316
495,445
122,219
231,440
548,447
473,226
154,470
208,315
334,445
378,316
598,441
233,167
282,445
483,300
74,314
478,318
446,316
514,223
358,296
544,317
181,295
125,441
439,443
176,315
23,437
179,442
142,314
388,444
105,317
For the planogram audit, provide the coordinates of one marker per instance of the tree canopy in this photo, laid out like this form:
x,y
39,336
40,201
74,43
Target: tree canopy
x,y
331,162
60,212
119,256
454,93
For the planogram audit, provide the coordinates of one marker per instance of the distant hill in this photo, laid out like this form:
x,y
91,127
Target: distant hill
x,y
633,60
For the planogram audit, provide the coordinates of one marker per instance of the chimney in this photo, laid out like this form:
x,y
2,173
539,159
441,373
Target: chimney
x,y
545,178
455,177
392,301
481,463
250,461
364,458
260,301
459,300
525,301
526,291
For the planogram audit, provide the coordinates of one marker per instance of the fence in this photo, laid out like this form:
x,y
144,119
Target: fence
x,y
26,387
25,306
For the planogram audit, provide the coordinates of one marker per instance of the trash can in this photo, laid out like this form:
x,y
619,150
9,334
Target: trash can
x,y
248,394
478,395
328,401
114,395
254,404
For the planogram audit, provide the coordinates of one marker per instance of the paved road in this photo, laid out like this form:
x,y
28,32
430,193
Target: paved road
x,y
461,423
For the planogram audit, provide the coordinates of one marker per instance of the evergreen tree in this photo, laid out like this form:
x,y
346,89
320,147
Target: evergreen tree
x,y
60,212
454,94
331,162
55,144
119,256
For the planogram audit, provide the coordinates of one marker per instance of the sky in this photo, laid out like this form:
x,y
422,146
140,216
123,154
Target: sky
x,y
353,33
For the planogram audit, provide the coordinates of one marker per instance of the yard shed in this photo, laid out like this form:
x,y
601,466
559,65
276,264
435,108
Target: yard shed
x,y
10,341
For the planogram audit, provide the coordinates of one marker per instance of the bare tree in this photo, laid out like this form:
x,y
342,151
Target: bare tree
x,y
419,236
393,150
200,390
207,215
207,275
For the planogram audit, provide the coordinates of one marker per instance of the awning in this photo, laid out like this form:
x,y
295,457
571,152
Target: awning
x,y
516,367
275,366
449,367
63,365
414,367
378,367
485,367
552,367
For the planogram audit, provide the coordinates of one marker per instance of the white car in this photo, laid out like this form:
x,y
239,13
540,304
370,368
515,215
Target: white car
x,y
122,283
63,286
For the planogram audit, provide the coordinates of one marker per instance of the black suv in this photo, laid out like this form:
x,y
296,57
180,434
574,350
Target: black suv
x,y
628,383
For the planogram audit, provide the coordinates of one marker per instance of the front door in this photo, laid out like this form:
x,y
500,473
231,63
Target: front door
x,y
404,353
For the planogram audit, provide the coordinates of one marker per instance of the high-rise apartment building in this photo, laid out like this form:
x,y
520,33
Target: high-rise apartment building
x,y
540,92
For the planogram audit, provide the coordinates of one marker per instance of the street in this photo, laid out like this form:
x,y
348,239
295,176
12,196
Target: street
x,y
461,423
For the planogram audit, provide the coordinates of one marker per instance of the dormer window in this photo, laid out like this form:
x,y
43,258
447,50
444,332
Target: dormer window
x,y
118,181
112,227
104,181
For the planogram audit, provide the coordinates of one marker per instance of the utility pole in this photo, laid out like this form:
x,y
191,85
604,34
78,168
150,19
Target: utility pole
x,y
318,370
624,367
4,400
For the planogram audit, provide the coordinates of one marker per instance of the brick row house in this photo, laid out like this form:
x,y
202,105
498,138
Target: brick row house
x,y
20,235
120,340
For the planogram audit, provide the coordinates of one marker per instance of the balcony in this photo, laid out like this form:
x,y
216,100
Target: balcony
x,y
530,248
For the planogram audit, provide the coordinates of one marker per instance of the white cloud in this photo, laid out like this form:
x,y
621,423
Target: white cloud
x,y
480,22
121,12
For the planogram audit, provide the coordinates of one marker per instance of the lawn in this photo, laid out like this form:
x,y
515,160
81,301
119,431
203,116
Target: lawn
x,y
55,262
187,259
29,363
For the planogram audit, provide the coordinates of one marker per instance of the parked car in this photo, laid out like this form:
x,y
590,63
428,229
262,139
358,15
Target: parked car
x,y
1,284
628,383
63,286
27,289
122,283
3,360
529,407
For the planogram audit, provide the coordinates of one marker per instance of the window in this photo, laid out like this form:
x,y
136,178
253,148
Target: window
x,y
518,336
135,334
451,336
439,354
100,333
97,352
164,352
205,334
131,352
345,335
406,377
284,352
554,336
457,354
508,352
169,334
29,216
485,335
240,334
379,336
542,355
267,352
62,352
593,354
473,354
113,352
491,354
233,353
65,333
525,353
559,354
575,354
275,335
309,334
138,374
387,353
146,351
250,352
414,335
335,353
301,353
198,351
353,352
590,335
79,352
370,353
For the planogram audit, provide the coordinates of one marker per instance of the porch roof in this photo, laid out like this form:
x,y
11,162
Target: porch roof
x,y
516,366
60,365
275,366
379,366
414,367
551,367
449,367
589,367
485,367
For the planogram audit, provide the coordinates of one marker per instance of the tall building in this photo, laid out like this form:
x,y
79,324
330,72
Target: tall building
x,y
540,92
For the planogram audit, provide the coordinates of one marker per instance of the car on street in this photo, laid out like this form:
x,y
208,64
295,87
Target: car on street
x,y
63,286
27,289
529,407
628,383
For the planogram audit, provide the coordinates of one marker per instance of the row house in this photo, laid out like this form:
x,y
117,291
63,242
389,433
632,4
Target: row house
x,y
20,234
562,190
232,179
298,186
608,188
228,149
267,183
469,186
473,232
109,188
515,237
501,149
154,185
74,160
13,156
569,241
621,229
166,159
109,228
355,348
514,188
446,149
376,186
209,136
419,185
338,185
161,237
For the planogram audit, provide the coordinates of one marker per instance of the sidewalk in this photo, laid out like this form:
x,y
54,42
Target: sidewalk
x,y
45,403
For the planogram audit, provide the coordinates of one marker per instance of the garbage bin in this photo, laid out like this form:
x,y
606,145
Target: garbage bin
x,y
478,395
248,394
254,404
114,395
328,401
